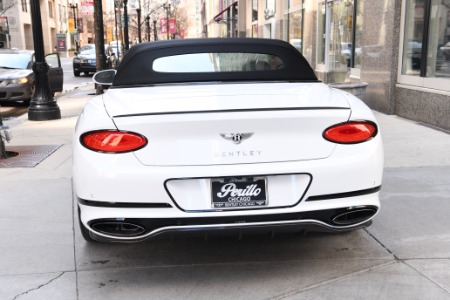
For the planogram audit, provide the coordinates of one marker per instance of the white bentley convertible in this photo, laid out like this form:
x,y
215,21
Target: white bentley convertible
x,y
222,135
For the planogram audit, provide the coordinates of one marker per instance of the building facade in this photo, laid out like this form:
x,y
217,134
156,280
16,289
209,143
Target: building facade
x,y
65,23
54,15
401,48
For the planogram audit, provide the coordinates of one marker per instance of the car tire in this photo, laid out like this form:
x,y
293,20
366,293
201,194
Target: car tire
x,y
84,231
76,73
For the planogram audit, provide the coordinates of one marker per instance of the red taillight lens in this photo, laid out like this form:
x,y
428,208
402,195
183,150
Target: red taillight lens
x,y
110,141
351,132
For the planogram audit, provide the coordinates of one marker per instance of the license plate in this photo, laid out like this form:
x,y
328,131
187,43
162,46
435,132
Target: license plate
x,y
239,192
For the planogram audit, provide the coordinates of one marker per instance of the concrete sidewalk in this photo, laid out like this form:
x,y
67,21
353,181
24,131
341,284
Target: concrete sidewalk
x,y
405,254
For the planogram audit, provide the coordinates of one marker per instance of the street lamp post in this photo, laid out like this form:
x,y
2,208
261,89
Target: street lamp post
x,y
125,29
42,106
167,8
74,9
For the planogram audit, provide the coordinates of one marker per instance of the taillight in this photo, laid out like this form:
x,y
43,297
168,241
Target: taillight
x,y
111,141
351,133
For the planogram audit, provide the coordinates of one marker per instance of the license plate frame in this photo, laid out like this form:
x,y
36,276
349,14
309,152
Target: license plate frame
x,y
239,192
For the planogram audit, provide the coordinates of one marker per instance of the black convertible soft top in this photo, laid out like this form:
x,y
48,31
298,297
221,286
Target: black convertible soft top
x,y
137,67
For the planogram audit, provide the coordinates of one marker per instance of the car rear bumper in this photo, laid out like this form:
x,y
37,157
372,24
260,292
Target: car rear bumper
x,y
139,229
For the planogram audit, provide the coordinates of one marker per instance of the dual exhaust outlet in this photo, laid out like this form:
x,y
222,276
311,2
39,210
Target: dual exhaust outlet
x,y
113,229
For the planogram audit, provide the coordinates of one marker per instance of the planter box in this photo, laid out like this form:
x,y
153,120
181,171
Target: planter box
x,y
357,89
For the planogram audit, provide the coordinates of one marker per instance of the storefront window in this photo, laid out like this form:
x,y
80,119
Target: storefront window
x,y
295,23
412,45
358,33
426,46
340,45
296,29
438,59
321,34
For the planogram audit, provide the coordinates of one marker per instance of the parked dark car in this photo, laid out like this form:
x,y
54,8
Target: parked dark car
x,y
85,61
17,77
446,50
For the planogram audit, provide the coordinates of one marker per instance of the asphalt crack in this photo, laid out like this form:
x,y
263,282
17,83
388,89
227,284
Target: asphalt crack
x,y
40,286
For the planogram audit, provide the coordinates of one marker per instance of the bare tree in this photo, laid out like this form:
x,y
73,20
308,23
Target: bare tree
x,y
7,6
181,17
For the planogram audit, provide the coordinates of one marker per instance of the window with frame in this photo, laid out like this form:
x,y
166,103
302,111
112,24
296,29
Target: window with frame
x,y
321,32
270,10
295,23
50,9
426,40
339,37
24,5
254,10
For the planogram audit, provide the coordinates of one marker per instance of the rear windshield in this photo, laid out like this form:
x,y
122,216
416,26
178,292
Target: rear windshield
x,y
217,62
212,60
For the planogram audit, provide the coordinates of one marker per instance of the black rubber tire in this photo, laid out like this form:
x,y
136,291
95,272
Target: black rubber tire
x,y
76,73
84,231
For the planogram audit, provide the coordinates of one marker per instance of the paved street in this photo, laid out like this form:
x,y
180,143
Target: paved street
x,y
405,254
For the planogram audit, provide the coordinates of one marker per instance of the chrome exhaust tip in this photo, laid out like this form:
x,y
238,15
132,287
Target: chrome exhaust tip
x,y
118,229
354,216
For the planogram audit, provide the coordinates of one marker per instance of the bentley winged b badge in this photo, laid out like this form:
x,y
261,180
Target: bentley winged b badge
x,y
236,138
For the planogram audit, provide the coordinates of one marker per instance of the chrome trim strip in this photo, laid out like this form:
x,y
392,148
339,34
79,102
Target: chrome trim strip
x,y
231,111
123,204
344,195
230,226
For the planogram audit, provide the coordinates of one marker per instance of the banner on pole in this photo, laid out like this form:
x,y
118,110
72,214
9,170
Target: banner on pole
x,y
87,7
172,26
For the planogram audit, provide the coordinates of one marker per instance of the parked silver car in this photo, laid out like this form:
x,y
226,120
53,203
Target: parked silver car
x,y
17,77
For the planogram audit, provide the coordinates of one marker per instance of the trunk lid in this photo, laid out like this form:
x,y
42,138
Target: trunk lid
x,y
229,123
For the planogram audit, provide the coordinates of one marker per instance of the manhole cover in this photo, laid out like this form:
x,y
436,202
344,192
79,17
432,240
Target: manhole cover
x,y
27,156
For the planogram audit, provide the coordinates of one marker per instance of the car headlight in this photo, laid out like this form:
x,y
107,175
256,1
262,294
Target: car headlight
x,y
22,80
76,60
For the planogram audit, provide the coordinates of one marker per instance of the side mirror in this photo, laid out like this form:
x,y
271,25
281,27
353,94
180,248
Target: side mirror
x,y
104,78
